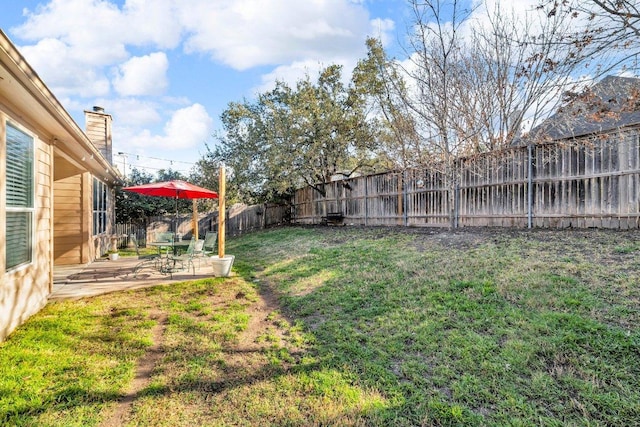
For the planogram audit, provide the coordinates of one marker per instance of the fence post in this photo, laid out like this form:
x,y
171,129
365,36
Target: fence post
x,y
530,188
456,211
366,200
405,202
264,217
339,188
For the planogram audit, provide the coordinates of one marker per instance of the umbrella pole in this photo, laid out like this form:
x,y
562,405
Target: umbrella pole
x,y
175,226
194,218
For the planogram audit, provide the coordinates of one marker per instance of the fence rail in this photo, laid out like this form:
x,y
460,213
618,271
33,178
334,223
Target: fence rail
x,y
241,219
588,183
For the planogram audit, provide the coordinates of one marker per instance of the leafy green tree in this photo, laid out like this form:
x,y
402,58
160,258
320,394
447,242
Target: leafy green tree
x,y
136,208
331,131
205,174
294,137
243,148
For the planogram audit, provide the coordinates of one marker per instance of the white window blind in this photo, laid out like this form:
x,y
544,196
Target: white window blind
x,y
20,190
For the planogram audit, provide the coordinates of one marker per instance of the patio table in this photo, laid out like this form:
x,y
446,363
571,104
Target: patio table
x,y
166,264
175,245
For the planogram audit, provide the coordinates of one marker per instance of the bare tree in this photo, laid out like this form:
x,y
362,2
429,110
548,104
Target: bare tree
x,y
432,69
472,84
524,71
377,76
434,72
605,34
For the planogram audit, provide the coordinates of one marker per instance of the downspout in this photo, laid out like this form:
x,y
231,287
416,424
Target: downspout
x,y
52,236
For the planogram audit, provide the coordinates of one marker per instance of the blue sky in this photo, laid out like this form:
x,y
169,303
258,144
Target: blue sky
x,y
166,69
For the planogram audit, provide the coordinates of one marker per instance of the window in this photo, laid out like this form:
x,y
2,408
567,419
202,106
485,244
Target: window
x,y
20,190
99,207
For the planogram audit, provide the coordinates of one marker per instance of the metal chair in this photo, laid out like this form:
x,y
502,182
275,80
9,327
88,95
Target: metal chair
x,y
148,260
210,240
187,259
162,237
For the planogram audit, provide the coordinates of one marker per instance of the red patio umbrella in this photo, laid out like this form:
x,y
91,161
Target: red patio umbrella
x,y
176,189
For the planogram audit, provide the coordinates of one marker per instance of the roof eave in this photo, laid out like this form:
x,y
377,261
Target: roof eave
x,y
33,99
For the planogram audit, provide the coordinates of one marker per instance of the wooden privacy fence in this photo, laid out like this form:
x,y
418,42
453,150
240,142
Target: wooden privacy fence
x,y
126,232
245,219
241,219
591,182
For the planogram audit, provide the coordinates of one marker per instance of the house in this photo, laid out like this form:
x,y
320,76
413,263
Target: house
x,y
56,187
612,104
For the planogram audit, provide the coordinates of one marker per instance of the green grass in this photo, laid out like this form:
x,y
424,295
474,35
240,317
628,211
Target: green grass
x,y
536,327
127,252
67,361
372,327
627,248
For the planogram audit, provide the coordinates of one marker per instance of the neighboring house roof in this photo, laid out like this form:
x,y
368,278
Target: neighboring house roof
x,y
611,104
28,97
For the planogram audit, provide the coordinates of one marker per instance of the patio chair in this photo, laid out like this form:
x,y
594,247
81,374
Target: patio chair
x,y
147,260
187,259
210,240
162,237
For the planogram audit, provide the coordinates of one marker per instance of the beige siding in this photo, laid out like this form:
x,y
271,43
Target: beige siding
x,y
3,200
24,291
64,158
68,219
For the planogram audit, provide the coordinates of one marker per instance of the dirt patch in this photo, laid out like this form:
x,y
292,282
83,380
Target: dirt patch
x,y
144,369
259,321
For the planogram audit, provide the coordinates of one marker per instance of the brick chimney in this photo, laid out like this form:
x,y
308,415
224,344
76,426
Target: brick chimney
x,y
98,129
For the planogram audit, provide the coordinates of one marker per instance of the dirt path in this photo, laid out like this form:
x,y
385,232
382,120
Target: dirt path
x,y
258,320
144,370
246,357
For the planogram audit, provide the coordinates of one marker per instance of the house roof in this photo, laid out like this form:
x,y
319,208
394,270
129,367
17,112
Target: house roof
x,y
611,104
27,97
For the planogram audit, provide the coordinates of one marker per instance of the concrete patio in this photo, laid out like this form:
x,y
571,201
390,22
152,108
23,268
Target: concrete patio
x,y
104,276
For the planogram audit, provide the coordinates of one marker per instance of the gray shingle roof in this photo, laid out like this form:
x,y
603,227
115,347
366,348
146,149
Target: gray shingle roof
x,y
611,104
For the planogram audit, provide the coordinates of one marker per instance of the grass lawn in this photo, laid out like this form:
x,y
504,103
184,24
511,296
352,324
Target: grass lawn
x,y
351,326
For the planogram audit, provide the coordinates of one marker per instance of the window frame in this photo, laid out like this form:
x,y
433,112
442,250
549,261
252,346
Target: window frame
x,y
29,210
100,207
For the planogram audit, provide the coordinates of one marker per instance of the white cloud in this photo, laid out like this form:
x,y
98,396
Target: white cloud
x,y
242,34
144,75
92,29
381,29
77,39
63,72
298,70
153,22
239,33
131,112
289,74
96,25
250,33
188,128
